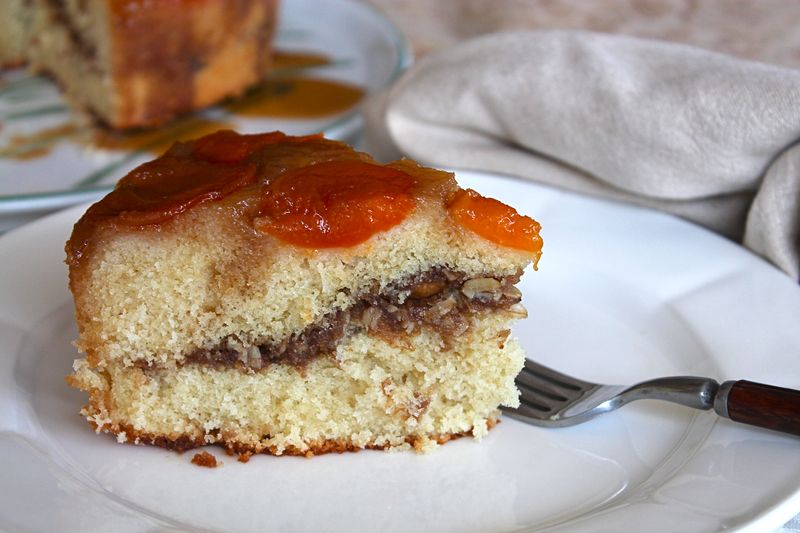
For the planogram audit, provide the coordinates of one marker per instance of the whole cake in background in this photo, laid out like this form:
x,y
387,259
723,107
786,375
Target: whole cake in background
x,y
289,295
133,63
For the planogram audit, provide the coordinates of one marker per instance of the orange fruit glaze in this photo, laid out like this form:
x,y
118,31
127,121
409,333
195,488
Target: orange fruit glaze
x,y
330,204
496,221
156,191
227,146
335,203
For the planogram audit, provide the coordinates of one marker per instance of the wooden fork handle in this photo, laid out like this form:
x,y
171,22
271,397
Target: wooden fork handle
x,y
760,405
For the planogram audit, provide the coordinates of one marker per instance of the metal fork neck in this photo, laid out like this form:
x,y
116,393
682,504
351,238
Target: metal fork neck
x,y
696,392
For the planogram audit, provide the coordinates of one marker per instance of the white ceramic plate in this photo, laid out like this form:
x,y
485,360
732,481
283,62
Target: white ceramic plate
x,y
622,294
365,48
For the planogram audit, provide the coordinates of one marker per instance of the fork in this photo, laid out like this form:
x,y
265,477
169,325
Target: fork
x,y
551,399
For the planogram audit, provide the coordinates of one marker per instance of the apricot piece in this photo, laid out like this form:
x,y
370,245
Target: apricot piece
x,y
335,203
495,221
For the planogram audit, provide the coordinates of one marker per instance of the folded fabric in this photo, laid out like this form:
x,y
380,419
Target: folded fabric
x,y
702,135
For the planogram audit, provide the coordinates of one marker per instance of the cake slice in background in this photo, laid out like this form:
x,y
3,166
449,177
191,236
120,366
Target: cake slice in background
x,y
289,295
13,32
129,63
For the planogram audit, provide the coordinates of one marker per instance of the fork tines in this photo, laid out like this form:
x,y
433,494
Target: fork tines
x,y
543,390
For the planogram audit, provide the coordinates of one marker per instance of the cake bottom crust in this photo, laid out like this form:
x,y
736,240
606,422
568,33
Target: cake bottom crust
x,y
183,443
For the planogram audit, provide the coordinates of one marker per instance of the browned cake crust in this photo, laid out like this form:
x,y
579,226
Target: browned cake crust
x,y
244,451
130,63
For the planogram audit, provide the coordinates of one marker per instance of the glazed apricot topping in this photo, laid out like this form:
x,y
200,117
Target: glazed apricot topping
x,y
335,203
227,146
495,221
157,191
154,192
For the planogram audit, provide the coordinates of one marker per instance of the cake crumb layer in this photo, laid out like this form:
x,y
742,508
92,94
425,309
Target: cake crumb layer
x,y
372,394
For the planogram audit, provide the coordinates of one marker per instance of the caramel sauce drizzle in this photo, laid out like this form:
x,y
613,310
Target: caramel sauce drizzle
x,y
296,98
39,144
282,60
155,140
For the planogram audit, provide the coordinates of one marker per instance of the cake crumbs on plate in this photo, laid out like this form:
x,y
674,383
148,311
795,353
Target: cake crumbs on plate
x,y
205,459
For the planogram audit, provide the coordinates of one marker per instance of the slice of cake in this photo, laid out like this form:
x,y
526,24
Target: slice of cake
x,y
131,63
289,295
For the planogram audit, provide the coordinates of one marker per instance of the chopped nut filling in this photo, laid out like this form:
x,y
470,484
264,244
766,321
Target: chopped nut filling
x,y
439,299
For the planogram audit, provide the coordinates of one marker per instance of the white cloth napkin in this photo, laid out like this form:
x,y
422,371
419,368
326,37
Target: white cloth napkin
x,y
701,135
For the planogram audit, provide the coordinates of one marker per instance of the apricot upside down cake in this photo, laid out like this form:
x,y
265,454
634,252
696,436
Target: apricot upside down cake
x,y
289,295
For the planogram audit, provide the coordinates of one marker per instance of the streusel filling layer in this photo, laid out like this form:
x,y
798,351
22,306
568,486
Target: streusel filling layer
x,y
439,299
